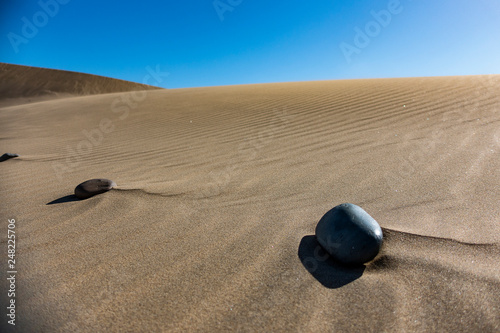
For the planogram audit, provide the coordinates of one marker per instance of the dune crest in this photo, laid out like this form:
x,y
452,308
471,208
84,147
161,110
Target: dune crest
x,y
34,84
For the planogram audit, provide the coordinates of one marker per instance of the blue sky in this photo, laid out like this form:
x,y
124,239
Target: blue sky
x,y
226,42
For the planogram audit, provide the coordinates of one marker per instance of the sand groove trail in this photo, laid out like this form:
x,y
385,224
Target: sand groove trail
x,y
219,192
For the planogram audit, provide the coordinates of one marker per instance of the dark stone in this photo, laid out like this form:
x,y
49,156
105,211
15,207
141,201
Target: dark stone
x,y
7,156
349,234
92,187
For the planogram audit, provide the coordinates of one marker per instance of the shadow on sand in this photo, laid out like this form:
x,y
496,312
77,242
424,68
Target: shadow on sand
x,y
67,198
7,156
323,268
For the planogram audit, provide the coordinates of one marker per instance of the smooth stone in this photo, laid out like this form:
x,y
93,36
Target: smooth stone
x,y
7,156
92,187
349,234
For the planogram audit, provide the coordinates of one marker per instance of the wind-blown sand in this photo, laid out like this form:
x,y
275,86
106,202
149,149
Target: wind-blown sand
x,y
219,192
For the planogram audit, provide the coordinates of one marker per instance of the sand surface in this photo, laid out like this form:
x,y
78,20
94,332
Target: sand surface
x,y
219,191
23,84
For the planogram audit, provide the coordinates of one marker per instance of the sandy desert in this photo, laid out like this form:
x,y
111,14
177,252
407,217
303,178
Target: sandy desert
x,y
219,189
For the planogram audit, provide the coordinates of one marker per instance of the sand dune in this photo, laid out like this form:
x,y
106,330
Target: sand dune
x,y
220,189
32,84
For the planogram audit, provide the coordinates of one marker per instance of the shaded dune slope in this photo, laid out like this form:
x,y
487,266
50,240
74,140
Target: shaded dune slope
x,y
24,81
220,189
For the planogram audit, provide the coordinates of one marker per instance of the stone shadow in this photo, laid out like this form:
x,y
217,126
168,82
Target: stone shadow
x,y
66,198
323,267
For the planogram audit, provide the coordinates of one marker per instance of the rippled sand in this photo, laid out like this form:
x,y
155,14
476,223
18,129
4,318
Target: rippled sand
x,y
220,189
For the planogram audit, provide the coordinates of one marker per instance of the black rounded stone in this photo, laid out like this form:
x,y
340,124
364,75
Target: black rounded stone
x,y
7,156
92,187
349,234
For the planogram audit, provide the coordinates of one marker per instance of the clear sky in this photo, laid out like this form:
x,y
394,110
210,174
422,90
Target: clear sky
x,y
226,42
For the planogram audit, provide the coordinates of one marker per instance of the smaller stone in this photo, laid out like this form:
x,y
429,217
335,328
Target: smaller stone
x,y
92,187
349,234
7,156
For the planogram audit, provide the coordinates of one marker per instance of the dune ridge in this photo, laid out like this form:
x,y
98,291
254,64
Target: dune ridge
x,y
38,84
219,192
